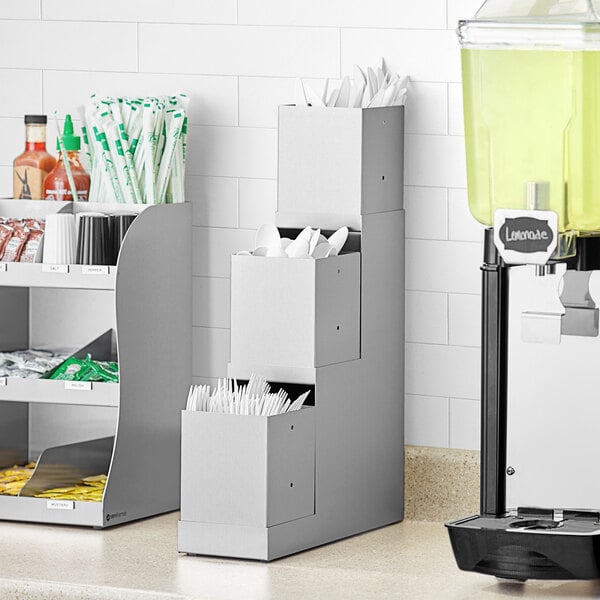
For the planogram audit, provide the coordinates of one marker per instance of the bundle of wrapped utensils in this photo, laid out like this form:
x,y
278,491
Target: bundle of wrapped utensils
x,y
253,398
367,88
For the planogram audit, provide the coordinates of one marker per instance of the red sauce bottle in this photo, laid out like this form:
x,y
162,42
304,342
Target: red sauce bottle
x,y
56,184
31,167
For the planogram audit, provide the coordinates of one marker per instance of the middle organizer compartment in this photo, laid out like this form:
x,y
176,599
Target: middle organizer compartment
x,y
289,315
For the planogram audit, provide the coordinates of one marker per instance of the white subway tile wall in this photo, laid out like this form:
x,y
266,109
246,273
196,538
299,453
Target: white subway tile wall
x,y
465,426
21,92
427,420
20,9
237,59
464,315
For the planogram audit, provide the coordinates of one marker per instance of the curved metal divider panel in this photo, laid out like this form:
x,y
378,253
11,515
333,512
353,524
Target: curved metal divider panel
x,y
153,307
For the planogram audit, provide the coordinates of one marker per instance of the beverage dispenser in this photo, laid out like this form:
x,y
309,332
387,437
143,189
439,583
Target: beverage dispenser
x,y
531,85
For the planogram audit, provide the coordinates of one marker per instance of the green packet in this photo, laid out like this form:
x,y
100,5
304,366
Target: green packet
x,y
77,369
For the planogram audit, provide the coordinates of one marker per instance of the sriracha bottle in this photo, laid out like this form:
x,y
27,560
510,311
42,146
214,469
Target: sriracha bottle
x,y
56,184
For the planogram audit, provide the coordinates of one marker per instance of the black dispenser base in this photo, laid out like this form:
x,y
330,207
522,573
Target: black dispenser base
x,y
530,545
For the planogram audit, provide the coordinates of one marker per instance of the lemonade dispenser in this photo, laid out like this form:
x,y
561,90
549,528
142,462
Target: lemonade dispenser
x,y
531,84
531,72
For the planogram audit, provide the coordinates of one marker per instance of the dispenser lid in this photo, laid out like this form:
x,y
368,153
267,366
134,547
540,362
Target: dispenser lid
x,y
539,24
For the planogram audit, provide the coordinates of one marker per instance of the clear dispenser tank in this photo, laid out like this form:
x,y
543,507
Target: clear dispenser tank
x,y
531,85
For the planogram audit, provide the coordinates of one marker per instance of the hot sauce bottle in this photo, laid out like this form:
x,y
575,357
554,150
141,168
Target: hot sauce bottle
x,y
31,167
56,184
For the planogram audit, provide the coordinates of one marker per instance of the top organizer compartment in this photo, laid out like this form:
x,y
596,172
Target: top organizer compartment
x,y
340,162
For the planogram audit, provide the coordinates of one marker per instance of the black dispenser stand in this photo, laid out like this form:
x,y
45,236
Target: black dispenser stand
x,y
494,356
527,543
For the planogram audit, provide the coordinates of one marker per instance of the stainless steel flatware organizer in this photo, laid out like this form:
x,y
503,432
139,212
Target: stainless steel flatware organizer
x,y
138,313
265,487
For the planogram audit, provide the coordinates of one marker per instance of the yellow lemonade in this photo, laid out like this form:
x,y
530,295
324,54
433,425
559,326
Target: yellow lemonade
x,y
533,115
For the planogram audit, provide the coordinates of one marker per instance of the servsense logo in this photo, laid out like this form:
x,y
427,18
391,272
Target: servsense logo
x,y
526,234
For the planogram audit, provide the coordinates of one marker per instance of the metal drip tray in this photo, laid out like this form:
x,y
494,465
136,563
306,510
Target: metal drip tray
x,y
535,524
529,547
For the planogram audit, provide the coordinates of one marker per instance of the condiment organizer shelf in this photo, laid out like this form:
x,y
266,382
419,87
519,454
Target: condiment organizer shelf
x,y
334,325
137,312
45,390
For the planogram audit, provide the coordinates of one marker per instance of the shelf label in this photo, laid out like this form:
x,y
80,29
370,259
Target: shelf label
x,y
94,269
2,266
2,381
60,505
78,385
55,268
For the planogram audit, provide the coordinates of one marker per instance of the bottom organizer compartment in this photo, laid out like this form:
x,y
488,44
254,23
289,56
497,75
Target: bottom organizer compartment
x,y
247,470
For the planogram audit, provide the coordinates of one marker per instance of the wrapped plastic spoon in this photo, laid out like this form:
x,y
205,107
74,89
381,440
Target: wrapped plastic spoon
x,y
305,235
323,251
314,240
297,249
267,236
338,239
276,251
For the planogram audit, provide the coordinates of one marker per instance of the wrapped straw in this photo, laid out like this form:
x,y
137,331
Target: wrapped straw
x,y
136,148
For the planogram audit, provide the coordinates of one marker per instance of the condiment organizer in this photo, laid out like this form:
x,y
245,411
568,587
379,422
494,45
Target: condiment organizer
x,y
137,312
333,325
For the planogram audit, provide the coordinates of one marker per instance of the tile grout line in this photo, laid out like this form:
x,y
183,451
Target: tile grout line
x,y
214,75
448,108
238,100
231,24
448,319
340,51
237,216
442,397
439,345
449,422
447,203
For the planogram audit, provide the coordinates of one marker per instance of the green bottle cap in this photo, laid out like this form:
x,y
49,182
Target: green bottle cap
x,y
70,141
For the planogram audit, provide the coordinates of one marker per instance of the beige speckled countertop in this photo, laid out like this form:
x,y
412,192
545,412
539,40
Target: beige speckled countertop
x,y
411,560
440,483
139,561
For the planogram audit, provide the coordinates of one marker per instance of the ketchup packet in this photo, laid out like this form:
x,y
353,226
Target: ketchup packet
x,y
31,246
14,247
5,234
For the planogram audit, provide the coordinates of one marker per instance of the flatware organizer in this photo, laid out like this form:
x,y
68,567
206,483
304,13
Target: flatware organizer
x,y
265,487
137,313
